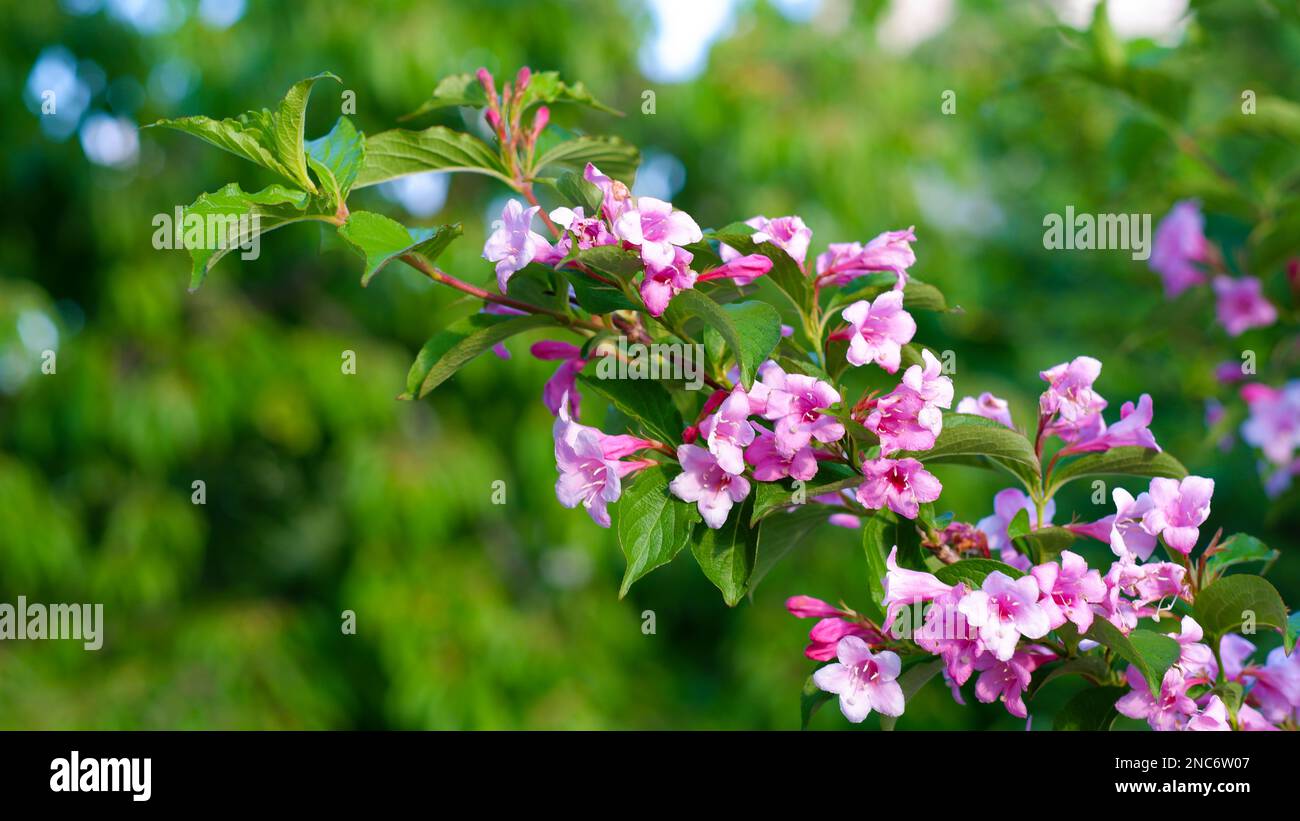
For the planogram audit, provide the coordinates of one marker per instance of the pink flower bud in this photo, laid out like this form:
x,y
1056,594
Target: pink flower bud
x,y
521,79
485,80
806,607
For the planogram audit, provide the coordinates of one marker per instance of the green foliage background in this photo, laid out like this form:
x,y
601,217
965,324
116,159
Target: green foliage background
x,y
324,494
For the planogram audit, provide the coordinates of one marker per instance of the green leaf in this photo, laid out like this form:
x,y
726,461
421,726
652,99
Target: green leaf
x,y
965,436
911,682
1150,652
1289,635
337,158
456,90
1046,543
547,87
922,296
454,346
597,297
726,554
645,400
612,260
381,240
273,140
1019,525
770,497
810,701
543,87
232,217
576,192
973,572
1090,709
1091,666
653,525
1225,605
614,157
1239,548
752,330
878,538
781,533
785,274
1122,461
397,153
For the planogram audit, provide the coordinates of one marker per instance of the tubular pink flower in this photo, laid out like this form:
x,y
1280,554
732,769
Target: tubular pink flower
x,y
1127,535
1241,305
513,244
807,607
1130,430
890,251
771,464
863,680
1004,609
903,587
1178,509
1179,245
880,329
824,638
902,485
787,233
590,474
1068,590
728,432
1214,717
616,200
565,379
663,282
1070,398
589,232
797,412
1274,422
658,229
741,270
1007,679
1006,505
1169,711
988,406
704,482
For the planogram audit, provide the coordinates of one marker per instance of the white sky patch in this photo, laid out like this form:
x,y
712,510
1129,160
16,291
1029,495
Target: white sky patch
x,y
953,208
110,141
422,195
56,70
908,23
1164,21
221,14
661,175
37,331
678,48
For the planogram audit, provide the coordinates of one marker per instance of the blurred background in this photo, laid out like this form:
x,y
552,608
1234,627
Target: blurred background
x,y
324,494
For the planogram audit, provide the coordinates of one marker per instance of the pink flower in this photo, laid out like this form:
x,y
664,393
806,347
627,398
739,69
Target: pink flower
x,y
988,406
1277,685
1006,505
1069,590
658,229
1251,720
1196,659
890,251
1169,711
742,271
798,414
864,681
1070,398
903,587
787,233
1099,530
807,607
1130,430
1241,305
1274,423
704,482
616,200
1006,679
771,464
902,485
1178,509
1214,717
565,379
1127,535
935,389
946,634
896,419
1178,246
589,464
589,232
880,330
513,244
728,432
1159,581
663,282
825,636
845,520
1004,609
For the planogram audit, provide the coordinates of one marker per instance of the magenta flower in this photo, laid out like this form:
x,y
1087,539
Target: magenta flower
x,y
1274,422
704,482
591,471
807,607
787,233
1004,609
1277,685
1099,530
1214,717
935,389
845,520
1251,720
1159,581
1070,399
1006,505
616,200
1006,679
742,271
589,232
1127,534
1195,658
565,379
798,415
897,420
845,261
864,681
1069,590
728,432
824,638
988,406
1132,429
880,329
1169,711
513,243
1241,305
663,282
946,634
903,587
902,485
771,464
1179,246
658,229
1178,509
